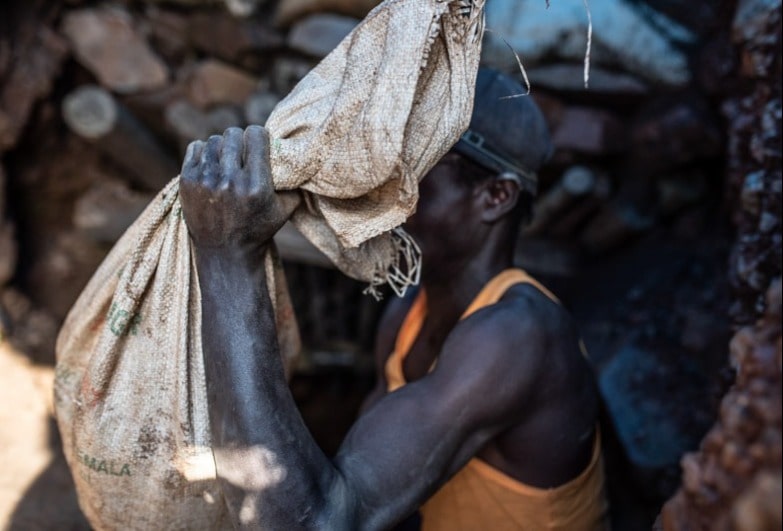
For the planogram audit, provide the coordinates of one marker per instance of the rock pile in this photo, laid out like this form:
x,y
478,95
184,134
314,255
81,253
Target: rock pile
x,y
734,481
97,103
754,156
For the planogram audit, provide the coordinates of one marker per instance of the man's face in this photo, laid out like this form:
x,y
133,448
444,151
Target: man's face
x,y
446,223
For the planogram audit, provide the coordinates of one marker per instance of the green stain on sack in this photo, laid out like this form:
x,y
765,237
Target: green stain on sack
x,y
103,466
121,322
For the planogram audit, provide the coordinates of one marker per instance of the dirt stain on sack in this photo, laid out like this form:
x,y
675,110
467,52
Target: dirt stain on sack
x,y
147,443
150,439
175,482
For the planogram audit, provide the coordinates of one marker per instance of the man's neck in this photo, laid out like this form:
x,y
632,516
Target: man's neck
x,y
452,287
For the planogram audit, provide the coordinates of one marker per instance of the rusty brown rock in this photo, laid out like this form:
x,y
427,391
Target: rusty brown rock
x,y
168,33
214,82
590,131
96,116
713,441
733,482
107,43
28,77
733,457
220,35
107,209
691,474
290,10
759,509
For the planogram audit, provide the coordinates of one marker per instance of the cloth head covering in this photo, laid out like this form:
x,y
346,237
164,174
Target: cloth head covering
x,y
507,133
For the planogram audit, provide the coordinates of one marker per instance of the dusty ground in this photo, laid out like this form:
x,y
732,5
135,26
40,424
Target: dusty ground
x,y
36,492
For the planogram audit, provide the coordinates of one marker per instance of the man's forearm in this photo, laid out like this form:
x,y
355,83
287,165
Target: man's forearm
x,y
273,474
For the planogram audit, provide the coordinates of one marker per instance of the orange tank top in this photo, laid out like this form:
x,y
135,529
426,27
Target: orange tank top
x,y
480,497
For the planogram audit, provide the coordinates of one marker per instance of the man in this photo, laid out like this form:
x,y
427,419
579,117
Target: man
x,y
486,411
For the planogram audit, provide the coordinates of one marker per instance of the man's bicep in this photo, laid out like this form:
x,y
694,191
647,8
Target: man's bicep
x,y
411,442
493,356
401,450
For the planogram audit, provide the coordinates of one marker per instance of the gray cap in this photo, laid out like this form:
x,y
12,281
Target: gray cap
x,y
508,135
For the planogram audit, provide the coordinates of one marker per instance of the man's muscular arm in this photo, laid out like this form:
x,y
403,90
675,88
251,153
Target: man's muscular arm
x,y
260,442
272,472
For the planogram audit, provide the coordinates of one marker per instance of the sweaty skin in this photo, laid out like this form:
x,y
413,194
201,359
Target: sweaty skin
x,y
509,386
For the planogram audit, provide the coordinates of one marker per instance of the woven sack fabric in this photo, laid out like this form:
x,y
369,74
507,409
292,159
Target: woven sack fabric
x,y
130,391
365,125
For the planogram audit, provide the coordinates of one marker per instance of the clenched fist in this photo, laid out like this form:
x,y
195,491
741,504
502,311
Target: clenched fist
x,y
227,195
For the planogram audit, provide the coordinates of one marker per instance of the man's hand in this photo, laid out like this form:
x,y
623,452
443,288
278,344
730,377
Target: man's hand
x,y
227,195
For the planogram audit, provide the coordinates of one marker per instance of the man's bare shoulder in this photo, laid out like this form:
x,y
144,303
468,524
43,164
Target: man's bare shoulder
x,y
524,331
520,356
527,302
523,311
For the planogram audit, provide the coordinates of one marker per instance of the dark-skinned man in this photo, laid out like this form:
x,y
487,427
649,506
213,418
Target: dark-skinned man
x,y
485,415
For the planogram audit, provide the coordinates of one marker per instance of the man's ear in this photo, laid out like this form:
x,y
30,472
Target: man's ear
x,y
499,197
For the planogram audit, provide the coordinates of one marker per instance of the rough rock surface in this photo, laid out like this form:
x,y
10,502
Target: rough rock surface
x,y
754,161
107,43
734,481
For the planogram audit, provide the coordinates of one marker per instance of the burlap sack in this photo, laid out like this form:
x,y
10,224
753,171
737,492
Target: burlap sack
x,y
354,136
360,130
130,391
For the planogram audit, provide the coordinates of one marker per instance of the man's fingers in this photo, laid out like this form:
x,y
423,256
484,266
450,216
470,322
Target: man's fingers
x,y
210,161
257,154
192,157
231,154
